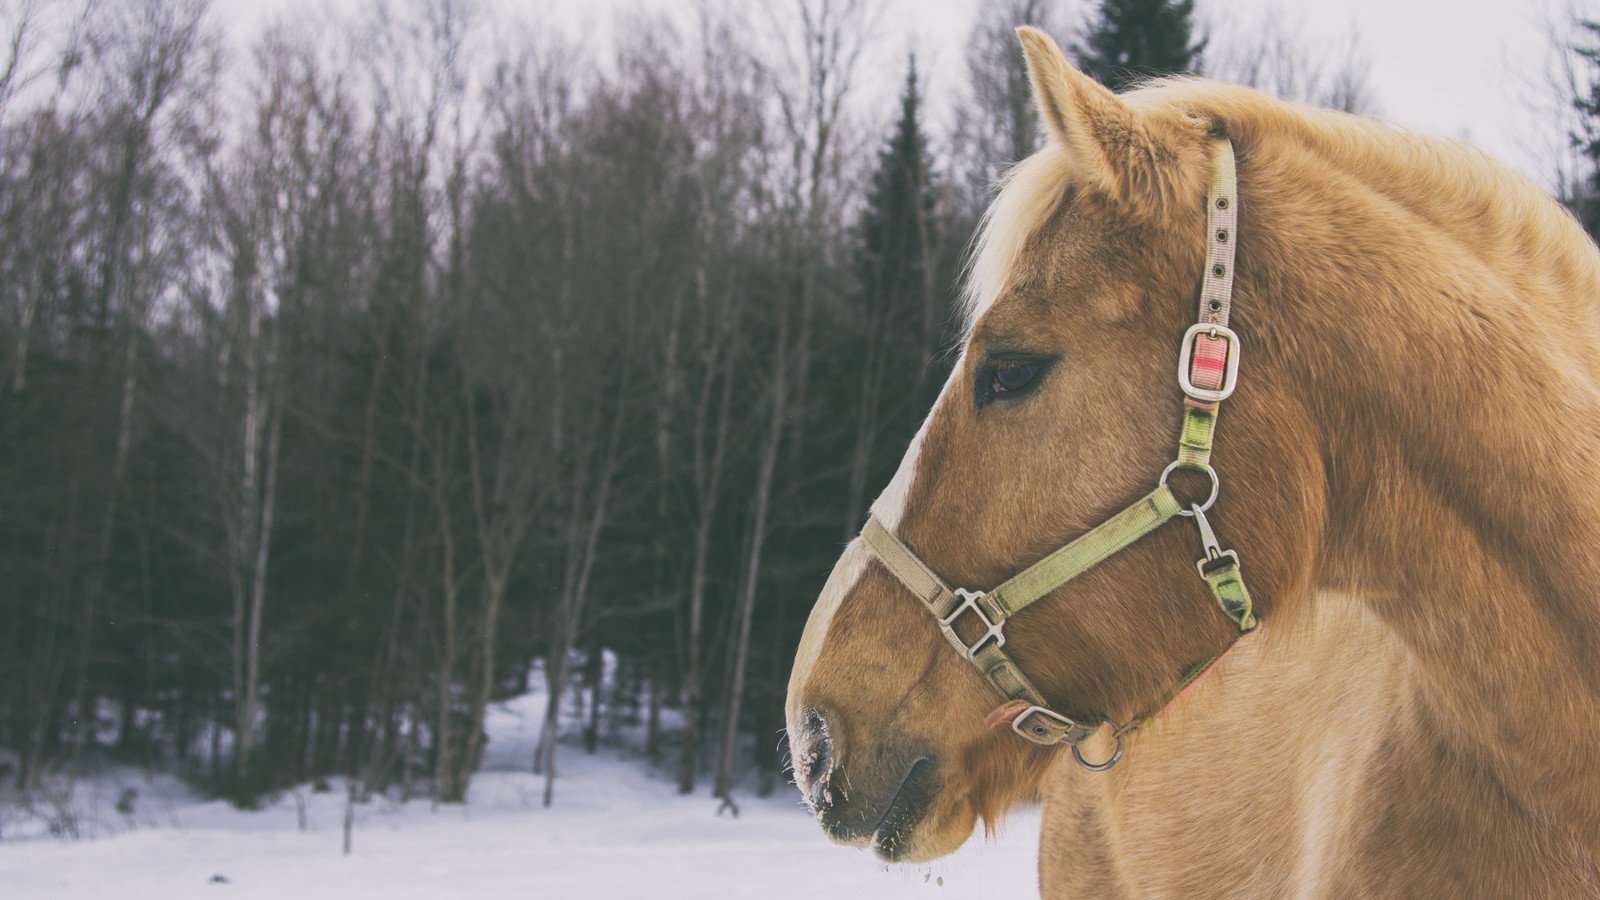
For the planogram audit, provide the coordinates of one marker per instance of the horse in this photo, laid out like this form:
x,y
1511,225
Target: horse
x,y
1386,677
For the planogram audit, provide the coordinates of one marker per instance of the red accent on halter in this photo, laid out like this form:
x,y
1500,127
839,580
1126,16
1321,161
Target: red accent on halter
x,y
1195,681
1209,365
1006,714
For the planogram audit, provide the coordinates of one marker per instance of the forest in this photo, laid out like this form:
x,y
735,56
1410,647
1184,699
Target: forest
x,y
353,380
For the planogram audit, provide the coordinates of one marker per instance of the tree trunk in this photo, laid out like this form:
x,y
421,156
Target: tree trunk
x,y
258,597
30,307
83,704
692,679
576,596
444,785
652,718
866,428
752,569
495,591
368,446
594,674
708,473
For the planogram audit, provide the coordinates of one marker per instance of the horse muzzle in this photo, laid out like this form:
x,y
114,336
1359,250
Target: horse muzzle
x,y
877,805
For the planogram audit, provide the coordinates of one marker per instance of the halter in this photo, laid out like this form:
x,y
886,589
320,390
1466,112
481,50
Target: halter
x,y
1208,371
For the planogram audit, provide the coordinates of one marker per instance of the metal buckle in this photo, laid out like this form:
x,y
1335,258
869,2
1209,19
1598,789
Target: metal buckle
x,y
1230,376
1201,565
1042,734
969,600
1216,485
1116,756
1209,543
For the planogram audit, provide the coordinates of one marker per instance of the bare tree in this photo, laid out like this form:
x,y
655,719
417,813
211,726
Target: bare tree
x,y
589,505
1274,54
819,46
1549,89
442,433
996,125
728,166
37,47
153,62
267,216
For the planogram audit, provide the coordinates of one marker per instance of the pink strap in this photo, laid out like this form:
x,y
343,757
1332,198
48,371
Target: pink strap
x,y
1210,362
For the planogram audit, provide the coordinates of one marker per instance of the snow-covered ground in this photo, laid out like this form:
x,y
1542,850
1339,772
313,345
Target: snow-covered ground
x,y
617,829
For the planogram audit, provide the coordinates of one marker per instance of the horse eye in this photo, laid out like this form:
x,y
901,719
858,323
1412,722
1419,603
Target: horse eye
x,y
1008,378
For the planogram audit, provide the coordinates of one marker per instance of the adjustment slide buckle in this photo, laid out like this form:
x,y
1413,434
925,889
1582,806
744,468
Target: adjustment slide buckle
x,y
991,628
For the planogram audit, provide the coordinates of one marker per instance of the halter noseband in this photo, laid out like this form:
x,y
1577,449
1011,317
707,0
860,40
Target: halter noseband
x,y
1208,369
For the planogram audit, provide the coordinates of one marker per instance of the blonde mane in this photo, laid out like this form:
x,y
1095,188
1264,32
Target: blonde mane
x,y
1451,185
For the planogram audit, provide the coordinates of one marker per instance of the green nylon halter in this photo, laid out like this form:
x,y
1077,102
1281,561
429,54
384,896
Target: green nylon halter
x,y
1206,379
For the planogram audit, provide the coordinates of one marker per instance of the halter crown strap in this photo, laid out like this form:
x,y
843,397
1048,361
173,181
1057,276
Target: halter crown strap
x,y
1222,220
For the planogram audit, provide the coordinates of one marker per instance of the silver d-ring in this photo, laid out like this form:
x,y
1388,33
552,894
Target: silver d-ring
x,y
1214,486
1099,767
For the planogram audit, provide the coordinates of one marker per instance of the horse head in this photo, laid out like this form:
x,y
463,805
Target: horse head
x,y
1063,410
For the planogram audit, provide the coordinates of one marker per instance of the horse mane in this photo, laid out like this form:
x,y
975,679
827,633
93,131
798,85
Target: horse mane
x,y
1448,184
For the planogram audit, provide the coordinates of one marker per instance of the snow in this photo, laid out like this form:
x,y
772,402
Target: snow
x,y
618,829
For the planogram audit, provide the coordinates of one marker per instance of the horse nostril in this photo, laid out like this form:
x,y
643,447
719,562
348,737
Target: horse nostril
x,y
813,756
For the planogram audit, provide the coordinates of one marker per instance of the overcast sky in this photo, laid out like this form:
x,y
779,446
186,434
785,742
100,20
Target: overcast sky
x,y
1469,69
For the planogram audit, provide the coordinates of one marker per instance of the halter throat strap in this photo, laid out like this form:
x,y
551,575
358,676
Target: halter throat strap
x,y
1207,374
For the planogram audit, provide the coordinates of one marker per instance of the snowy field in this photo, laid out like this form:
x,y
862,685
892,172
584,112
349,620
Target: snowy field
x,y
617,830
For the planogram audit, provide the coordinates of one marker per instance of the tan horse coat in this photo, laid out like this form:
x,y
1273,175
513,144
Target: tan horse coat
x,y
1411,473
1279,778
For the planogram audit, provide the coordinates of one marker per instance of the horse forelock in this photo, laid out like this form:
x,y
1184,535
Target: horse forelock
x,y
1029,194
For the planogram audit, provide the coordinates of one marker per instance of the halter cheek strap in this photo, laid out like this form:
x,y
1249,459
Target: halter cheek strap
x,y
1207,372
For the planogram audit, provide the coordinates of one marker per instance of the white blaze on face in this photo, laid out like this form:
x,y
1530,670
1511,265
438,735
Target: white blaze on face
x,y
888,509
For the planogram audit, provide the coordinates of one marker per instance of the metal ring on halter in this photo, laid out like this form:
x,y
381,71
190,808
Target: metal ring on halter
x,y
1209,500
1099,767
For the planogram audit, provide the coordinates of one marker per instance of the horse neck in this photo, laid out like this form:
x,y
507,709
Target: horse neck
x,y
1269,703
1455,375
1312,753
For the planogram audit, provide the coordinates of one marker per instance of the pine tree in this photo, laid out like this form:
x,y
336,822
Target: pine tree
x,y
902,308
1135,39
897,227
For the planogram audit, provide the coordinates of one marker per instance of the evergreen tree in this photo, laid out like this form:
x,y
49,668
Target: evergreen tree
x,y
903,307
1134,39
897,228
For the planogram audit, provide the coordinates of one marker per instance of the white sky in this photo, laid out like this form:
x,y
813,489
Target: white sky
x,y
1469,69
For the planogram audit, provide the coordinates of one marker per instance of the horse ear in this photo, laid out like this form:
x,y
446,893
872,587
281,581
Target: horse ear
x,y
1108,141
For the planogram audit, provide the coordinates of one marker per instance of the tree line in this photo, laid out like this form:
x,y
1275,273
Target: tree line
x,y
405,362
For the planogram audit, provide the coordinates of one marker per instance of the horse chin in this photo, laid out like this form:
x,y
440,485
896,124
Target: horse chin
x,y
895,837
915,823
938,832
